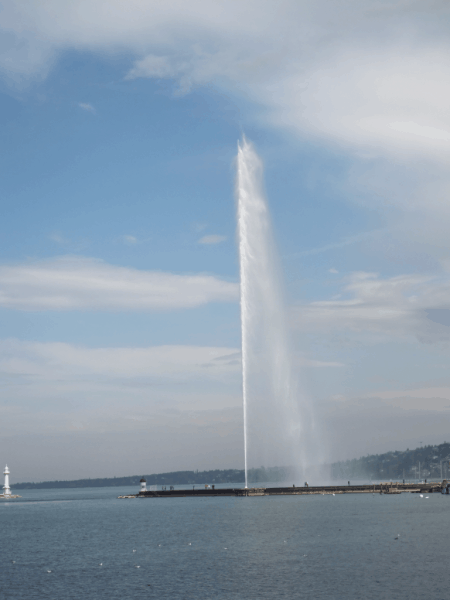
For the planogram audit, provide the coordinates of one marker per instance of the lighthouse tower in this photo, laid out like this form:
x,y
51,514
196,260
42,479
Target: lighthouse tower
x,y
6,490
143,485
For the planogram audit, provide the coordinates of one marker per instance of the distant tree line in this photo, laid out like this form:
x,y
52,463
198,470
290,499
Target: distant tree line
x,y
432,462
274,474
425,462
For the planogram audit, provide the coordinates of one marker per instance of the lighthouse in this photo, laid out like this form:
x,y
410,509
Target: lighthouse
x,y
6,490
143,485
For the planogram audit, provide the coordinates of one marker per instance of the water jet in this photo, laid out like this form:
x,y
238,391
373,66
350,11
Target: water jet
x,y
271,416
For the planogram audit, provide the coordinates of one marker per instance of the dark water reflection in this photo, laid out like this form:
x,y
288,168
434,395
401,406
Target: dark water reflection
x,y
253,548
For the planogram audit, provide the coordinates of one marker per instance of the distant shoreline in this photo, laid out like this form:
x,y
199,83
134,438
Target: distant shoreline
x,y
428,462
174,478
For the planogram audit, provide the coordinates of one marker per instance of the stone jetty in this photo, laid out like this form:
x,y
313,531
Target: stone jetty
x,y
376,488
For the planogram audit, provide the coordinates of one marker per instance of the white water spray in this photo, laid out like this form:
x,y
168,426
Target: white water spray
x,y
272,433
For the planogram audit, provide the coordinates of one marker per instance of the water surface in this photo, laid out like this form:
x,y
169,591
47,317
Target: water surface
x,y
311,547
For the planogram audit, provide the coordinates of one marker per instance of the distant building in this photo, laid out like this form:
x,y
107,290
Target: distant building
x,y
143,485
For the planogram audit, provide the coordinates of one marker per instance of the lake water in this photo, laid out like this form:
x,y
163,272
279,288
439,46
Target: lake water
x,y
99,547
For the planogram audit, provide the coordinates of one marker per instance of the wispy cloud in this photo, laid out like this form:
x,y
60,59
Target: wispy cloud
x,y
402,306
212,239
322,364
344,71
131,240
63,389
432,133
78,283
354,239
61,361
198,226
87,107
58,238
369,80
152,65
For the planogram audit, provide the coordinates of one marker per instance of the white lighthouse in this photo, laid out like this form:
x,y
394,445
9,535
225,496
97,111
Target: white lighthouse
x,y
143,485
6,489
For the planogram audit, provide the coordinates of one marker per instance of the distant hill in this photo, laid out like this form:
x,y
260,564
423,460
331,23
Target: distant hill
x,y
424,462
176,478
392,465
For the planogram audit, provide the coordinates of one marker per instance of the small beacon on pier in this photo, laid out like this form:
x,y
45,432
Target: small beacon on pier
x,y
6,489
143,485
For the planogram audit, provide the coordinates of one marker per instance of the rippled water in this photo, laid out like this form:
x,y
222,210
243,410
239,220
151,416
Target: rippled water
x,y
254,548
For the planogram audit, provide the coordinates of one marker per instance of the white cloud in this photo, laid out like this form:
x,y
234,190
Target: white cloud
x,y
87,107
321,364
401,306
77,283
182,402
354,239
198,227
59,362
388,99
167,392
371,79
76,369
212,239
152,66
52,385
58,238
432,133
350,72
431,398
131,240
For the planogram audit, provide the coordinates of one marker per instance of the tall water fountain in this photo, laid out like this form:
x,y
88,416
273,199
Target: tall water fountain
x,y
272,403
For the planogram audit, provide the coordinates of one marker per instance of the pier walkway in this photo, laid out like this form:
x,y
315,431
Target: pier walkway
x,y
380,488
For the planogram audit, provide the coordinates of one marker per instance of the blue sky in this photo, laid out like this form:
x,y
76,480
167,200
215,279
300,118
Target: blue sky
x,y
118,260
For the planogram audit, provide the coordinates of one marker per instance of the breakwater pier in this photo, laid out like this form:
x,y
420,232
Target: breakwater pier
x,y
380,488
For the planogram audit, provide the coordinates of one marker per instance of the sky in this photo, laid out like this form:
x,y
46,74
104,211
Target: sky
x,y
119,274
